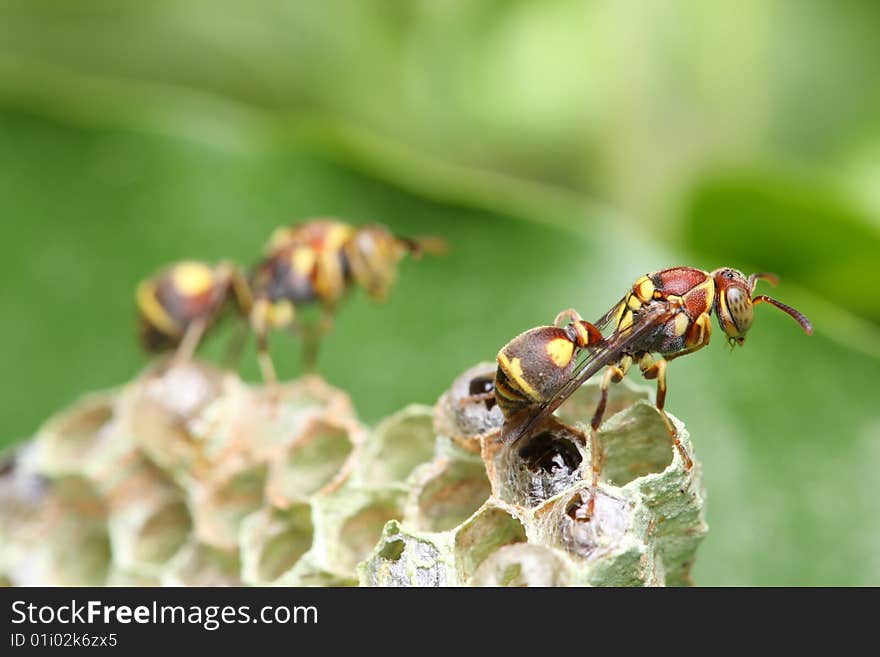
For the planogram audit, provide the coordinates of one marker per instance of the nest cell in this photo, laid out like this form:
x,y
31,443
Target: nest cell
x,y
69,443
396,446
485,532
523,565
273,540
447,492
316,460
537,467
464,412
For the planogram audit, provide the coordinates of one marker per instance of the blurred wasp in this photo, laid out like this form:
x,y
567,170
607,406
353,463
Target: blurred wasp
x,y
177,305
319,261
316,261
665,313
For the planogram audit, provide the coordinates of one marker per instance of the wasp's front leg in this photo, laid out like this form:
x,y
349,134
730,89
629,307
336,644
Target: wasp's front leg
x,y
312,336
261,320
656,369
697,337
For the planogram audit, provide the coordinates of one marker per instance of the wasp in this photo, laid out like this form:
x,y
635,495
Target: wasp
x,y
665,315
178,304
317,261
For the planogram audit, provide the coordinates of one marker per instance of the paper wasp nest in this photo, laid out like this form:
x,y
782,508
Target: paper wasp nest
x,y
189,476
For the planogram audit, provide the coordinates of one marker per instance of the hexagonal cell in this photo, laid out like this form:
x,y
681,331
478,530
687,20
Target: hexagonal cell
x,y
564,522
445,493
406,559
537,467
218,508
163,533
609,549
361,531
315,461
77,542
491,528
635,443
197,564
348,524
273,540
69,442
84,561
462,415
269,420
148,518
158,408
396,446
521,565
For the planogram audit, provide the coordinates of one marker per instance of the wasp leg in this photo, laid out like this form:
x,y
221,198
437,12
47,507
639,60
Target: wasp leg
x,y
312,338
311,341
583,333
260,325
569,315
232,358
190,342
614,374
697,337
652,369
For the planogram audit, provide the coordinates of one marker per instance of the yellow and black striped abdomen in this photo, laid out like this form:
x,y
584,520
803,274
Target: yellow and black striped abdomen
x,y
169,301
532,367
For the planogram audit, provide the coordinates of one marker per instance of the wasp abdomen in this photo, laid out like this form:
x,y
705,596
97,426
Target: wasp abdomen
x,y
532,366
170,301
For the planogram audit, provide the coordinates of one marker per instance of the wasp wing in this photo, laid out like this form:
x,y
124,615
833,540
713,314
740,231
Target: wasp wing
x,y
604,320
610,352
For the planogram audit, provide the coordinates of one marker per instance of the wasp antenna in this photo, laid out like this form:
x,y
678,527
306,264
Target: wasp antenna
x,y
411,245
422,244
798,316
771,278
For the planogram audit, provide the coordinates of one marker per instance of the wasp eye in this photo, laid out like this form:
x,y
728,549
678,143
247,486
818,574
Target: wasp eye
x,y
739,305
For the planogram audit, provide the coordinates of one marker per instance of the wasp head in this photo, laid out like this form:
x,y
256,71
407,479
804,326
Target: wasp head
x,y
373,253
734,303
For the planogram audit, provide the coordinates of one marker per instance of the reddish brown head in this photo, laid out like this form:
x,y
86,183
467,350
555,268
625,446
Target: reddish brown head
x,y
373,253
734,303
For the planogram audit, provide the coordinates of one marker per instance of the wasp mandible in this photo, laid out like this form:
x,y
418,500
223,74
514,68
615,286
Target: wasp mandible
x,y
665,315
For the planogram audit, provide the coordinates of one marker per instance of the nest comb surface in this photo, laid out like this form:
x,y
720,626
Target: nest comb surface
x,y
188,476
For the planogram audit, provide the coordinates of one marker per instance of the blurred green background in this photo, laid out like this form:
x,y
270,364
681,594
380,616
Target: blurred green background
x,y
563,148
